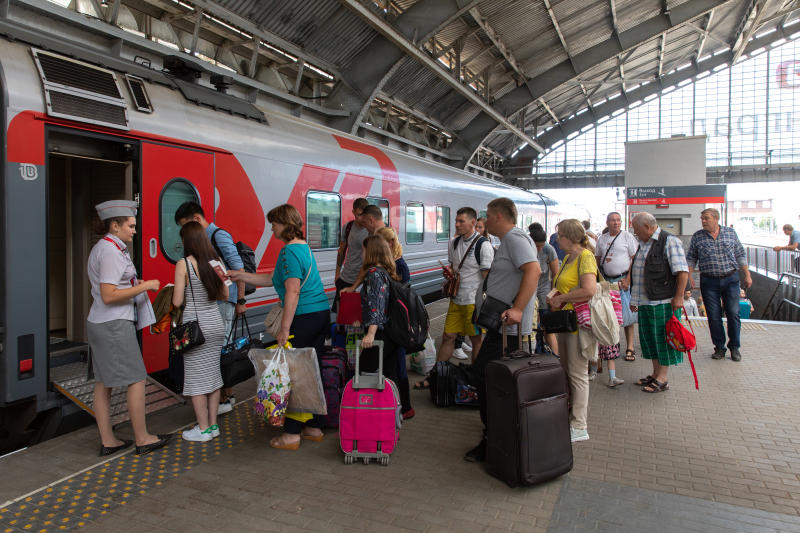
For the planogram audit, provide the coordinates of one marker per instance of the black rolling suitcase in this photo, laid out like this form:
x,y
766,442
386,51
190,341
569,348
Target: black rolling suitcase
x,y
528,438
441,384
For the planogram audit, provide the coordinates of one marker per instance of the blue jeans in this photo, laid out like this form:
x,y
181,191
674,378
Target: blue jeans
x,y
716,294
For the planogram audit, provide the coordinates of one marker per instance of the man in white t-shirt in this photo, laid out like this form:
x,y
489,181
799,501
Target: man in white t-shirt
x,y
614,253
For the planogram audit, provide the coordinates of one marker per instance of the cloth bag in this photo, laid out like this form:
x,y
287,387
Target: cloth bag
x,y
422,362
603,319
274,385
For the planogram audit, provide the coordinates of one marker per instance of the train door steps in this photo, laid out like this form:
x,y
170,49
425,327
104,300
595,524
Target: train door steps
x,y
73,382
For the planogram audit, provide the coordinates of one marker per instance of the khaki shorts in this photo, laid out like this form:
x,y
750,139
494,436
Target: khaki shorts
x,y
459,320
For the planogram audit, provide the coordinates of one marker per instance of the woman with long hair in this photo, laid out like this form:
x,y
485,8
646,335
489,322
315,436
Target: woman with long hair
x,y
306,312
378,269
576,281
198,286
111,327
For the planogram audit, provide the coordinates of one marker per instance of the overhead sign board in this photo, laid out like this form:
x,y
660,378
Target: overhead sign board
x,y
683,194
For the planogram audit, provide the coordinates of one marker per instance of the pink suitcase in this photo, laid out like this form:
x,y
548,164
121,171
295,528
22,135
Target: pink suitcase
x,y
369,416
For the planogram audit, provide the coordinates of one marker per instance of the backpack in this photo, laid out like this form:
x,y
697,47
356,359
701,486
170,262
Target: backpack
x,y
408,318
246,254
481,240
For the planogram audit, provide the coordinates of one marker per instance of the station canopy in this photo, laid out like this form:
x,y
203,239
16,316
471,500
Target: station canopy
x,y
485,85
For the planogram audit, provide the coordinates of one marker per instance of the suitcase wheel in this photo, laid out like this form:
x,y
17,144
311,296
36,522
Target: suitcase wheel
x,y
385,461
348,459
366,460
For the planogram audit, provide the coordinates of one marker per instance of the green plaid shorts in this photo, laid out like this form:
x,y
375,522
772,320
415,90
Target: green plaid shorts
x,y
652,334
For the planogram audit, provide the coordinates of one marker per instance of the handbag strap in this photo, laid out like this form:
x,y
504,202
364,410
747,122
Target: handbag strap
x,y
603,262
689,352
469,249
191,289
310,264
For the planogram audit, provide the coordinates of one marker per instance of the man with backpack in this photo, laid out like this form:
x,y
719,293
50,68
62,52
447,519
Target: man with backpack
x,y
226,248
511,282
349,256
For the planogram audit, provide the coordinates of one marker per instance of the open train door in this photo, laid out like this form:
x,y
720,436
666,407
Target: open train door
x,y
170,176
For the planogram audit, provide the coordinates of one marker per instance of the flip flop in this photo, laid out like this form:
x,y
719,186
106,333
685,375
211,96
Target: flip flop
x,y
630,355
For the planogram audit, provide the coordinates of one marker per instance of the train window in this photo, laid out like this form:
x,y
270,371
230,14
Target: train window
x,y
528,221
323,219
384,205
520,221
482,214
173,195
442,223
415,222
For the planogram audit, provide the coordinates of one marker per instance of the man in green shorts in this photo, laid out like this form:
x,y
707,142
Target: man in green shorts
x,y
658,276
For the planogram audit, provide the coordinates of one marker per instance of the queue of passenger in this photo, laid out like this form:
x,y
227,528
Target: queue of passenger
x,y
523,271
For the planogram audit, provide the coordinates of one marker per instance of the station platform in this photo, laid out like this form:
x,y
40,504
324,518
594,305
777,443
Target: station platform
x,y
724,458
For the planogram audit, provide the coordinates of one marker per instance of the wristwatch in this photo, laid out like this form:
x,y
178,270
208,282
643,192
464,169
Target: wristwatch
x,y
241,301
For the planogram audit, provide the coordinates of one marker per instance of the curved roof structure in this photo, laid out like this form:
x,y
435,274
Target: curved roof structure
x,y
480,84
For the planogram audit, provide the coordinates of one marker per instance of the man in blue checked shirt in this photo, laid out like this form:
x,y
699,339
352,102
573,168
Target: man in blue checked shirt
x,y
717,253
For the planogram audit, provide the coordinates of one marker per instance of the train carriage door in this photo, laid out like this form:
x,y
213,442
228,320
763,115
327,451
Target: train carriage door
x,y
170,176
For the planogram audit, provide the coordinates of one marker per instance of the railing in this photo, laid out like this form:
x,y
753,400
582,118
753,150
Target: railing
x,y
765,260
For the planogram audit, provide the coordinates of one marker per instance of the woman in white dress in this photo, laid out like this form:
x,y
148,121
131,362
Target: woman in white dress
x,y
199,286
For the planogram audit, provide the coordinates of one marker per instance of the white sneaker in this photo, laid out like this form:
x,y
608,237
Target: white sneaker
x,y
466,347
224,407
578,435
614,382
214,431
460,354
196,435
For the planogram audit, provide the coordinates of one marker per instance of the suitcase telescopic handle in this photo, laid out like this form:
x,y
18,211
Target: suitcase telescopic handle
x,y
519,344
369,381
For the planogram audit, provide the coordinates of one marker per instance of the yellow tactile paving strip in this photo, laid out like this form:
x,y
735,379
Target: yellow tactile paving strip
x,y
83,498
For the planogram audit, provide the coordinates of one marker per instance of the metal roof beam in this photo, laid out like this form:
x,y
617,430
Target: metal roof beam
x,y
662,47
496,40
704,35
606,109
747,26
404,44
374,65
473,135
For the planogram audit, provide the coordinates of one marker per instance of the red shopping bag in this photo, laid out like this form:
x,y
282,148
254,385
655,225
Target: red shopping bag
x,y
349,308
680,338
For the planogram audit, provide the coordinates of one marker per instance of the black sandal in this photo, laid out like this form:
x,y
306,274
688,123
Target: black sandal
x,y
630,355
656,386
645,381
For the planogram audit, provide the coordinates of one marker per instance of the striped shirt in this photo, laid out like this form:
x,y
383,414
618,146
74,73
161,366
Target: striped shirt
x,y
675,258
716,257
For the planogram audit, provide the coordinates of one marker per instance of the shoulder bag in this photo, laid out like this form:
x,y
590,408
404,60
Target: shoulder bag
x,y
602,313
491,308
603,261
187,335
564,320
235,366
453,281
273,320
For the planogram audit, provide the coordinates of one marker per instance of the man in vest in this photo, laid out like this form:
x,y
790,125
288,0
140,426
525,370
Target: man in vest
x,y
659,273
719,256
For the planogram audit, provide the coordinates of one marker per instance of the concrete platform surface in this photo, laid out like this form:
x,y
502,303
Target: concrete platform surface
x,y
724,458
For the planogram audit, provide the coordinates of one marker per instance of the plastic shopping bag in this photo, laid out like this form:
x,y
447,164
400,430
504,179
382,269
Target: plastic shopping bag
x,y
308,395
274,385
422,362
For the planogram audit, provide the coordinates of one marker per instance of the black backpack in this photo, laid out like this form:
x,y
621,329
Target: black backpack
x,y
246,254
408,318
478,244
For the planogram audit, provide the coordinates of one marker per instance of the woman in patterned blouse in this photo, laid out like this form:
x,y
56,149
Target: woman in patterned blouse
x,y
378,269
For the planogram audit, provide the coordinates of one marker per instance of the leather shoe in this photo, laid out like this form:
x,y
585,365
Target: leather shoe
x,y
736,354
163,439
718,354
111,450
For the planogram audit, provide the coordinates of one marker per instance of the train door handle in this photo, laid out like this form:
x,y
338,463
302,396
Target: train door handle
x,y
153,248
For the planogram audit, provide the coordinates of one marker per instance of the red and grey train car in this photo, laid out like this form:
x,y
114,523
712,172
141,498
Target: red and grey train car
x,y
76,134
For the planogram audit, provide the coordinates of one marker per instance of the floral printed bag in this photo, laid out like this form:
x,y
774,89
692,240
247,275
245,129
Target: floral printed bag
x,y
274,386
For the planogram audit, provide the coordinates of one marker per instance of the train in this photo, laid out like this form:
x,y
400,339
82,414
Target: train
x,y
76,134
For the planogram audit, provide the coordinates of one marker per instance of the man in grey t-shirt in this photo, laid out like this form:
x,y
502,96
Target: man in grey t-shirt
x,y
793,246
349,258
512,279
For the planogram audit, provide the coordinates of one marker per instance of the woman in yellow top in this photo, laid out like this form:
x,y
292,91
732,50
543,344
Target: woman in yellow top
x,y
576,282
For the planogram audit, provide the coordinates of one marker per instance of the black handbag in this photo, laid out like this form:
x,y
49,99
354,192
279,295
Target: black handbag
x,y
491,308
188,335
234,364
565,321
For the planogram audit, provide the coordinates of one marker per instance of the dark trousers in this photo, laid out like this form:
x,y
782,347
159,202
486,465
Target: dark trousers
x,y
309,331
491,349
368,361
718,293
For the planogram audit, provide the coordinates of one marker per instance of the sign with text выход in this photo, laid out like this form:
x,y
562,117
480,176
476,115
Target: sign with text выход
x,y
684,194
